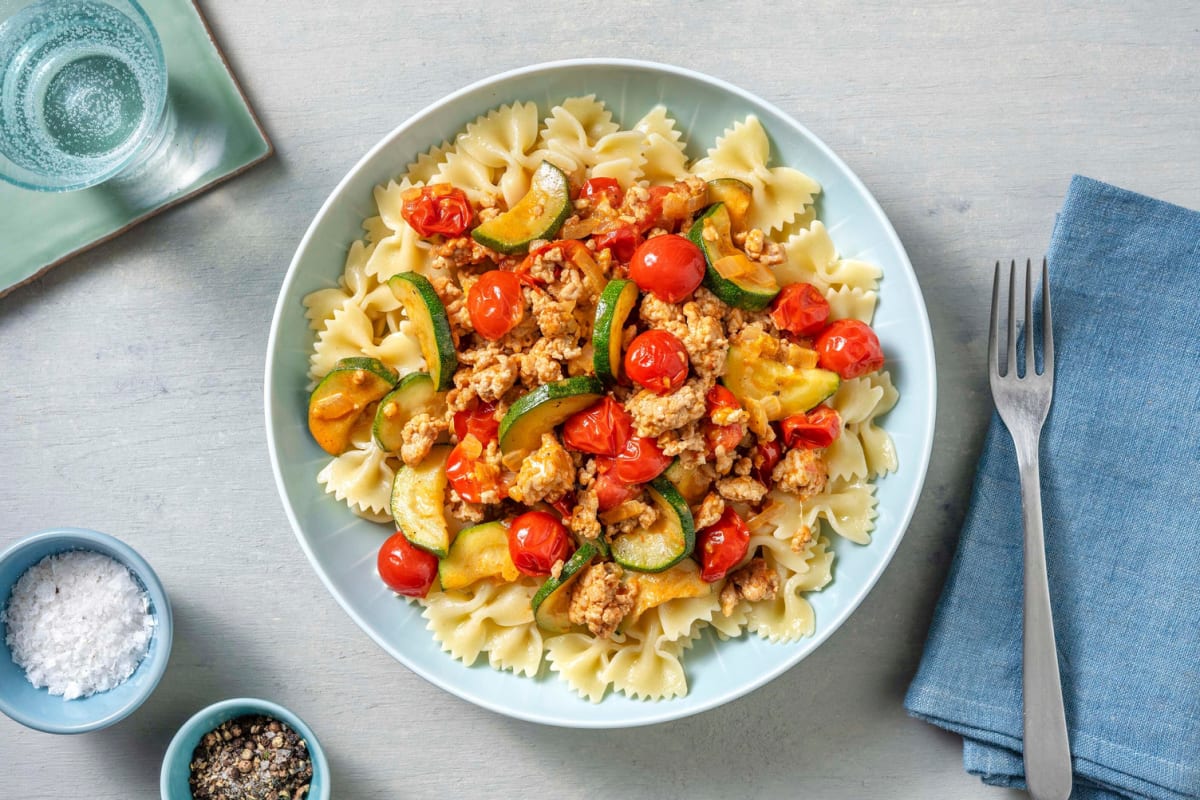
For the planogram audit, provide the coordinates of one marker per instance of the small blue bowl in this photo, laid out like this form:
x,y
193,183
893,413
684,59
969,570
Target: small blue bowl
x,y
176,767
37,708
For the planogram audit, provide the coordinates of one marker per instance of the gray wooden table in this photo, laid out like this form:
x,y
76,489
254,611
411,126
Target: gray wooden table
x,y
133,374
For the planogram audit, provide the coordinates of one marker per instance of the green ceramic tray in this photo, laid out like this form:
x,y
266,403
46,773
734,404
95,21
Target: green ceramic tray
x,y
217,137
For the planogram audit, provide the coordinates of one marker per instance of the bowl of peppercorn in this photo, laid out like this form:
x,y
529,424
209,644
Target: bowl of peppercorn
x,y
241,749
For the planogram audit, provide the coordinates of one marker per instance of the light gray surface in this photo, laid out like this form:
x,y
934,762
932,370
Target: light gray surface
x,y
133,392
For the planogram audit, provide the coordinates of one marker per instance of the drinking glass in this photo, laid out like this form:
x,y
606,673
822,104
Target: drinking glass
x,y
83,91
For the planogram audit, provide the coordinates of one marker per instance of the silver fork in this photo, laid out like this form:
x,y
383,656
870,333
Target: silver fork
x,y
1023,402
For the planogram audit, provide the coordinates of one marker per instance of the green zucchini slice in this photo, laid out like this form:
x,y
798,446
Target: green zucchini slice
x,y
478,552
432,327
341,397
616,301
736,195
552,601
730,273
412,396
537,215
798,389
544,409
666,542
418,502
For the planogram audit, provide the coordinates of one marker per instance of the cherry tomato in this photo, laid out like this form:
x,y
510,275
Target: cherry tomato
x,y
439,208
480,421
655,203
642,460
495,303
622,240
595,188
657,360
717,402
406,569
817,428
464,472
722,545
849,347
611,491
603,429
766,456
670,266
537,541
800,308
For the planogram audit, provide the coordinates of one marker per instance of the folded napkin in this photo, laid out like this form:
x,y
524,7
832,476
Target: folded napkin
x,y
1121,496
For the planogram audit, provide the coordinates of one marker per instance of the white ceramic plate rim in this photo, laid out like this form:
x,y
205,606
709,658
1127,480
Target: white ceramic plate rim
x,y
668,710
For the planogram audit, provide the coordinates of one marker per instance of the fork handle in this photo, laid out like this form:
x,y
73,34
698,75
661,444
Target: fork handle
x,y
1047,750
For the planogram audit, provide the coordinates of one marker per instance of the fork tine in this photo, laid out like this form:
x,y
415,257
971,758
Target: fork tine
x,y
993,339
1047,324
1011,357
1030,363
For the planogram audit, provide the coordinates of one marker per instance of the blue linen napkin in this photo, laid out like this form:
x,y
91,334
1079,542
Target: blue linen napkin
x,y
1121,496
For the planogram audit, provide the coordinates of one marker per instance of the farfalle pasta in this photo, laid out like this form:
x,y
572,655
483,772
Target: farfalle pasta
x,y
610,397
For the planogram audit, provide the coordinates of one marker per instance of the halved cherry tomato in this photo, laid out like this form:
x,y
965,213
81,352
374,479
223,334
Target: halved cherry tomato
x,y
657,360
480,421
722,545
603,429
495,303
766,456
537,541
642,460
469,477
564,505
406,569
655,204
610,490
817,428
439,208
719,402
595,188
849,347
669,266
623,241
800,308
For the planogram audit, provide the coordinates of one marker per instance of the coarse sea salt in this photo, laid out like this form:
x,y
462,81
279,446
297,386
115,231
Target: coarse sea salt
x,y
78,623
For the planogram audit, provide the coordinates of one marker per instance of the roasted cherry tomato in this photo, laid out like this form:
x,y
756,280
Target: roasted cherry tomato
x,y
495,303
657,360
470,477
849,347
603,429
642,460
766,456
669,266
800,308
595,188
435,209
406,569
655,203
480,421
722,545
719,402
537,541
611,491
817,428
623,241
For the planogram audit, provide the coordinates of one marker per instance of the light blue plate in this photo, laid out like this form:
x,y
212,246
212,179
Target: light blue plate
x,y
342,548
37,708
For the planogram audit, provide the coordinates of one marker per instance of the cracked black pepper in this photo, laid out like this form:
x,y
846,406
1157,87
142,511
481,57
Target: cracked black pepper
x,y
251,758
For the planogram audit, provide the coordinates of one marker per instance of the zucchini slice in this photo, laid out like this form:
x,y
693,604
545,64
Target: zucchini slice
x,y
537,215
552,601
681,581
432,327
616,301
666,542
544,409
798,389
731,275
736,195
478,552
418,502
341,397
413,395
693,484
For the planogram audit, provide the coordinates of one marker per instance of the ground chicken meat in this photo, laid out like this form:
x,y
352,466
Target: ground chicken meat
x,y
801,539
801,472
704,334
487,372
547,474
470,513
632,515
653,415
583,521
600,599
657,313
545,360
755,581
741,489
709,511
418,436
688,438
